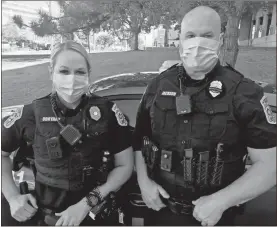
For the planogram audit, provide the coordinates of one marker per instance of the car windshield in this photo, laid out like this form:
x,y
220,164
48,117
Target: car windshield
x,y
124,80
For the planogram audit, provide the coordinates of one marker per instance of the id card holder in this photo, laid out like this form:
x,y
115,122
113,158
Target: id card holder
x,y
54,148
183,104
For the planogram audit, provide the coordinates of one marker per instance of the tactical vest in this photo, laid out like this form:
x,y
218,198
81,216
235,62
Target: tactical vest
x,y
189,144
67,172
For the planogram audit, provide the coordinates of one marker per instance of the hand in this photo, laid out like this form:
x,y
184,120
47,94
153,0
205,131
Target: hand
x,y
73,215
208,210
20,207
151,192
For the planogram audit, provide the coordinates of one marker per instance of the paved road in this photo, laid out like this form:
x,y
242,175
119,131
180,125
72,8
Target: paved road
x,y
24,85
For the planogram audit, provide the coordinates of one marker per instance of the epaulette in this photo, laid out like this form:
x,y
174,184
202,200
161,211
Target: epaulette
x,y
91,95
173,66
44,97
228,66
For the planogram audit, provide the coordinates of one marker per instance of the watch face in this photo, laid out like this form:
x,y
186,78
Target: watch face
x,y
93,199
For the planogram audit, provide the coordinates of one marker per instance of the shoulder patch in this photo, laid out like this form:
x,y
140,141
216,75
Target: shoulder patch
x,y
270,117
119,116
16,114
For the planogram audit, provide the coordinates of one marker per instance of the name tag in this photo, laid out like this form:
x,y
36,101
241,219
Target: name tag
x,y
169,93
49,119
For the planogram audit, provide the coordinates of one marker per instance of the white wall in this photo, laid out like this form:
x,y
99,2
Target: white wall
x,y
266,41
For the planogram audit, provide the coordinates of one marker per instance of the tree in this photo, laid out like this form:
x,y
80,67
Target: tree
x,y
130,17
10,32
77,17
104,41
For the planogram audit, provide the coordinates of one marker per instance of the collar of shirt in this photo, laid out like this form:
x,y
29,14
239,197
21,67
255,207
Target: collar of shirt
x,y
187,81
70,112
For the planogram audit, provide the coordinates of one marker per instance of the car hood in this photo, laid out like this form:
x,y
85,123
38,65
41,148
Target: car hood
x,y
135,83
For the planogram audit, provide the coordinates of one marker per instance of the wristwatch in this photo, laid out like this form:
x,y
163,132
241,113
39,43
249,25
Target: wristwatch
x,y
94,197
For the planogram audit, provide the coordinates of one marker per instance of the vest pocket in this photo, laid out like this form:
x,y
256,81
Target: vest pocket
x,y
163,115
210,121
48,129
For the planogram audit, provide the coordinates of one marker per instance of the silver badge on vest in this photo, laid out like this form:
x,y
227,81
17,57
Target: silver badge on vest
x,y
95,113
216,89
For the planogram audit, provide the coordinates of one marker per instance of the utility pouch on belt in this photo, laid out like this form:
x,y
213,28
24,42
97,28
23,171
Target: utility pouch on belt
x,y
217,167
189,165
166,160
54,148
150,153
105,167
87,173
70,134
202,169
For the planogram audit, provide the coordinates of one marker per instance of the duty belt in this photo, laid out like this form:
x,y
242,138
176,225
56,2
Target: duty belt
x,y
180,207
48,217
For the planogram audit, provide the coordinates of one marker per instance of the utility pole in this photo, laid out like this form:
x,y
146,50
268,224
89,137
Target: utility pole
x,y
49,3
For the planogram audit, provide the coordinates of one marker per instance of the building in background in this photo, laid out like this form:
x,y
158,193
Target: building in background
x,y
173,37
259,29
28,10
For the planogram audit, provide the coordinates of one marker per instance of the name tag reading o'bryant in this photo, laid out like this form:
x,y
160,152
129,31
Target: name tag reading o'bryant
x,y
270,117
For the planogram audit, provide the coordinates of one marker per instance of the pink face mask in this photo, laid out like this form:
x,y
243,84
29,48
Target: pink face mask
x,y
70,87
199,55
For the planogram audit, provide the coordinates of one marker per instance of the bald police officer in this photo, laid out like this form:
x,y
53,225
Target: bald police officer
x,y
196,124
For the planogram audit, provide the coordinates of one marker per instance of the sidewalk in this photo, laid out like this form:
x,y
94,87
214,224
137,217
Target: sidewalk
x,y
40,53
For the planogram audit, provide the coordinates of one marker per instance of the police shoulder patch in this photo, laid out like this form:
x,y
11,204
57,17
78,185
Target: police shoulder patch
x,y
119,116
16,114
270,117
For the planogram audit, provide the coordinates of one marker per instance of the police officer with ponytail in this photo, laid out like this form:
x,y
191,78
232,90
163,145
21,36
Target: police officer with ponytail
x,y
196,124
81,145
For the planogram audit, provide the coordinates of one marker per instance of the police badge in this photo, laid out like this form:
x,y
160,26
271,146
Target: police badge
x,y
95,113
216,89
119,116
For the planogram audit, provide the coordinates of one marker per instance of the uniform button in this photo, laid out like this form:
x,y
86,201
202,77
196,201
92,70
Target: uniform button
x,y
80,142
87,135
165,156
105,159
186,121
183,142
96,133
165,166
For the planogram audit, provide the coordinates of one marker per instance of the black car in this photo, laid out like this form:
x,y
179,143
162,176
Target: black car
x,y
126,90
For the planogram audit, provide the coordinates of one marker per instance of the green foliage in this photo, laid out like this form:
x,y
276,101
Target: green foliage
x,y
77,16
11,32
104,41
